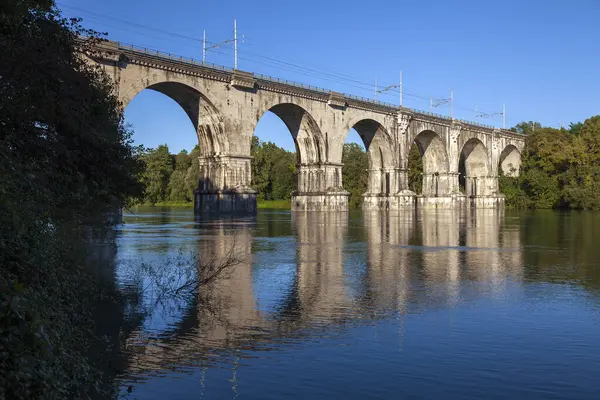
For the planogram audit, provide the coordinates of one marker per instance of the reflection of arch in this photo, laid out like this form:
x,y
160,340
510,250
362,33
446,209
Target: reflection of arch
x,y
205,117
510,161
473,165
433,151
311,145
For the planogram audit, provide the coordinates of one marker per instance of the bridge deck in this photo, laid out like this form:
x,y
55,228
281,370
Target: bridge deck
x,y
220,72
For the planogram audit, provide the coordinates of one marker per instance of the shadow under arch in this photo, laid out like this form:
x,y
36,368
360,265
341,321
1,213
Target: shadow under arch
x,y
510,161
434,158
205,117
474,168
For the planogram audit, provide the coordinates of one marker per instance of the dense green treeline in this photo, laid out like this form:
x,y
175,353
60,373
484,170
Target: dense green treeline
x,y
355,173
171,178
67,164
560,168
273,171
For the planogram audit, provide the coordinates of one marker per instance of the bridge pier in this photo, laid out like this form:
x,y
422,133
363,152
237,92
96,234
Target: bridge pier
x,y
225,201
320,188
440,190
491,201
403,200
450,201
378,188
482,192
224,186
387,190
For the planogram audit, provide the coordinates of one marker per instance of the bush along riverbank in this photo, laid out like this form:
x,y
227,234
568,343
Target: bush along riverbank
x,y
560,168
67,163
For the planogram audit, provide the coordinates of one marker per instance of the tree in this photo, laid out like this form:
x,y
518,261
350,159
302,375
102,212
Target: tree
x,y
262,162
157,172
415,169
67,163
283,176
560,167
355,172
192,176
526,128
177,184
575,128
273,170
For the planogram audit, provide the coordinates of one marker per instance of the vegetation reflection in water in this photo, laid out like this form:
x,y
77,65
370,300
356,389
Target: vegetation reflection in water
x,y
430,303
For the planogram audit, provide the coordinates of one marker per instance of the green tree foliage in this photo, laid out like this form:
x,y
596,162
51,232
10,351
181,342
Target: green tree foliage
x,y
192,176
560,167
173,178
67,162
355,172
273,170
177,184
415,169
158,167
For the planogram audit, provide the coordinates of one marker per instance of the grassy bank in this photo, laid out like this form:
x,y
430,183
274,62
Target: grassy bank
x,y
182,204
282,204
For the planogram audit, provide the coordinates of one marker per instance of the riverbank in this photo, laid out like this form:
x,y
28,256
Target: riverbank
x,y
178,204
280,204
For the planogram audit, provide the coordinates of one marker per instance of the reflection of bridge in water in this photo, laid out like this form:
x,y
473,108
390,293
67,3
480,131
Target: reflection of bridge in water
x,y
413,262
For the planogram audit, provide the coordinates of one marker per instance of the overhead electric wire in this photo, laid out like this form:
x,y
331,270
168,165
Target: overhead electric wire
x,y
103,16
96,15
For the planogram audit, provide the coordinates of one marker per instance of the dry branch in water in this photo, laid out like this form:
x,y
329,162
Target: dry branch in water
x,y
183,278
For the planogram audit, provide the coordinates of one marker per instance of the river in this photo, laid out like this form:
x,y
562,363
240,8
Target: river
x,y
431,304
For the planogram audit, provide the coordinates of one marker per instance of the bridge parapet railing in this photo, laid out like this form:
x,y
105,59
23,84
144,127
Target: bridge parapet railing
x,y
173,57
291,83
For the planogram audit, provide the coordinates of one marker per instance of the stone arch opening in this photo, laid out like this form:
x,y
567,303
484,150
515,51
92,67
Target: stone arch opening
x,y
415,169
473,168
210,171
311,145
510,161
381,179
164,123
435,163
277,170
204,116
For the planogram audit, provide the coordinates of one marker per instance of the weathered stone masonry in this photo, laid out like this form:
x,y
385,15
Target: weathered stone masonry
x,y
225,106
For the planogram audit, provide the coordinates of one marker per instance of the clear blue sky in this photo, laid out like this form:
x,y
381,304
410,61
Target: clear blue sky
x,y
540,58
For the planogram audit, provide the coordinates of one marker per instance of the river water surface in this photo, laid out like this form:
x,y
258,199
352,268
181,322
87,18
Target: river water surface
x,y
398,305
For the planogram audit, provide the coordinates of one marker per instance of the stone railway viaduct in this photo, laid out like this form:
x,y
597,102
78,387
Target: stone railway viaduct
x,y
225,106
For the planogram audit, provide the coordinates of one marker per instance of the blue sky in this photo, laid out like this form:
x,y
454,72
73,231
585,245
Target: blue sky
x,y
540,58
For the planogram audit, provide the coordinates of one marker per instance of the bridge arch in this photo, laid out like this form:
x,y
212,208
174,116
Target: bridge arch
x,y
433,151
434,158
310,143
376,140
314,174
510,161
204,115
380,155
473,167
